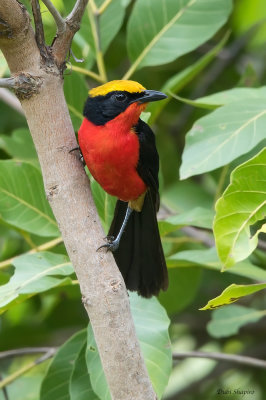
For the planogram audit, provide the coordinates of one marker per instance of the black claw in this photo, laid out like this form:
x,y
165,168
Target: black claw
x,y
112,245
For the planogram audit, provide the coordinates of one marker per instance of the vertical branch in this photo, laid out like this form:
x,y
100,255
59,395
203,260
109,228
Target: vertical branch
x,y
39,32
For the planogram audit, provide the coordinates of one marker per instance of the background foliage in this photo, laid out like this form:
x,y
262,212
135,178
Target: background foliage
x,y
207,55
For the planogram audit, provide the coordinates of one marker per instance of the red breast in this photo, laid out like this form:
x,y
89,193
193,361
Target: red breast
x,y
111,153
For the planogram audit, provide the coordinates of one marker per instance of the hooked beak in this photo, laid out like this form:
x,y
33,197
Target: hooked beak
x,y
150,95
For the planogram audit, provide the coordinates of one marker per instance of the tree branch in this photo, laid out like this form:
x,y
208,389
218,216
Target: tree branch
x,y
235,358
103,290
39,33
11,378
10,99
27,350
59,20
63,39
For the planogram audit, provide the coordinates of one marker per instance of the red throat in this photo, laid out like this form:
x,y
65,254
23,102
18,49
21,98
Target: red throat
x,y
111,152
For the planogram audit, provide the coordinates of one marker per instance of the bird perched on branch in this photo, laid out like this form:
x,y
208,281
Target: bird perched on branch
x,y
119,151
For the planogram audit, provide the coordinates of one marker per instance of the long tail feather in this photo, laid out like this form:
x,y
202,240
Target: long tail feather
x,y
140,255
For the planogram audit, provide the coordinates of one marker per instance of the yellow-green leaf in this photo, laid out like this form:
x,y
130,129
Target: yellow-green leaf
x,y
233,293
242,205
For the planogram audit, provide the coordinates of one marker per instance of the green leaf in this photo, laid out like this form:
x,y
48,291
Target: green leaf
x,y
222,136
56,382
184,196
183,287
35,273
242,205
228,320
151,324
104,202
109,24
22,199
181,79
159,31
208,258
233,293
76,92
19,145
233,95
199,216
80,384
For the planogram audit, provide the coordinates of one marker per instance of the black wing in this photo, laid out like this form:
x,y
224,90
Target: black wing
x,y
140,255
148,164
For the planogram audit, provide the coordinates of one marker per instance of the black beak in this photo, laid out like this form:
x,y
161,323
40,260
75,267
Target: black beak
x,y
149,95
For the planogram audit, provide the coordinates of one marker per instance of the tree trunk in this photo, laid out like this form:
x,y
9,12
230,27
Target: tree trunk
x,y
67,188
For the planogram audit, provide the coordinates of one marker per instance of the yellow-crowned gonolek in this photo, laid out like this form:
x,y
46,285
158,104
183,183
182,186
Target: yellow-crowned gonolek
x,y
119,150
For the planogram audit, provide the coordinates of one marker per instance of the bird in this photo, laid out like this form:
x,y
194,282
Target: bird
x,y
120,152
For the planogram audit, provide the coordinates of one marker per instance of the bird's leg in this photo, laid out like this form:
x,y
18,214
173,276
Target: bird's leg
x,y
113,243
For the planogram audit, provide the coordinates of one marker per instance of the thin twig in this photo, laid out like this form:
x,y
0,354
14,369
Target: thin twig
x,y
63,39
39,32
42,247
254,362
11,378
26,350
199,234
76,14
59,20
10,99
7,83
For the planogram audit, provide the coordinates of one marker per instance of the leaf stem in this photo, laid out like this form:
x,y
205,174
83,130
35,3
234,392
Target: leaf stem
x,y
221,182
84,71
95,27
104,6
42,247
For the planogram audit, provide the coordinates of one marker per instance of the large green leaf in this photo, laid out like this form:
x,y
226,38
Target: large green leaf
x,y
181,79
233,293
19,145
208,258
241,206
151,324
184,196
110,22
22,199
228,320
35,273
159,31
222,136
199,216
56,382
183,287
233,95
80,384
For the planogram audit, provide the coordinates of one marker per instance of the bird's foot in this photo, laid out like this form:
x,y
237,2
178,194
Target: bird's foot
x,y
111,245
81,158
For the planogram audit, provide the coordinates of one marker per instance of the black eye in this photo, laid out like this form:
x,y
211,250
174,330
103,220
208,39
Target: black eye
x,y
120,97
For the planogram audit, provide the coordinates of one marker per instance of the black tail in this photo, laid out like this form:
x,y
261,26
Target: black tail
x,y
140,255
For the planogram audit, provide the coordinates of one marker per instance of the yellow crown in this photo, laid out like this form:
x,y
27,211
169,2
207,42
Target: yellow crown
x,y
121,85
